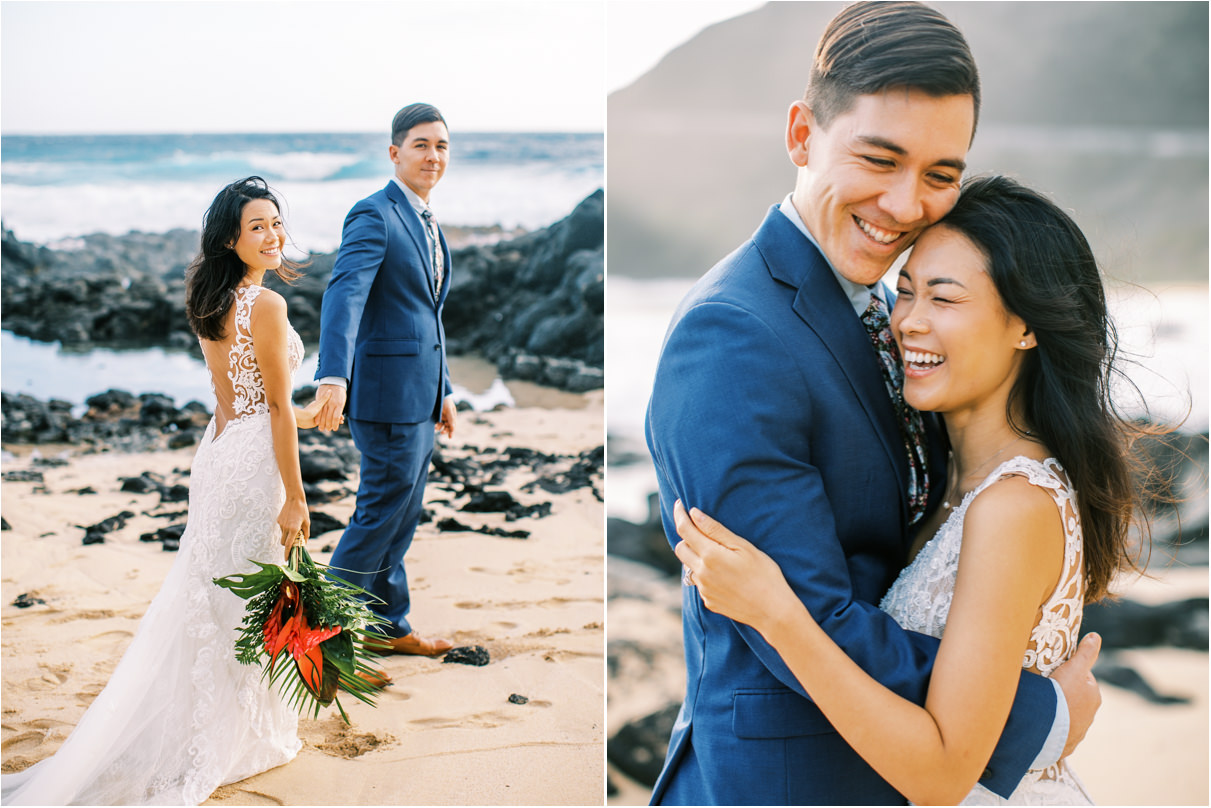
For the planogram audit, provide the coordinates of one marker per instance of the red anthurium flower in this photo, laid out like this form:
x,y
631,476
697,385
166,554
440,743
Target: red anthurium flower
x,y
287,630
311,668
281,623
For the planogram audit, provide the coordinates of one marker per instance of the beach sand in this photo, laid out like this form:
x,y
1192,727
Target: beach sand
x,y
1136,753
443,734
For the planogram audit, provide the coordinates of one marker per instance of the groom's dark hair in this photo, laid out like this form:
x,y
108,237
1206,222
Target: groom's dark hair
x,y
874,46
413,115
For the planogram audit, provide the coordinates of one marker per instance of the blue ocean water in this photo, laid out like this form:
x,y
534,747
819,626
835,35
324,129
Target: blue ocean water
x,y
57,187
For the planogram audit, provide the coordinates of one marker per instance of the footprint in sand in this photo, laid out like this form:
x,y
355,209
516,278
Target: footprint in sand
x,y
559,656
23,742
53,676
86,614
109,643
242,796
489,720
344,743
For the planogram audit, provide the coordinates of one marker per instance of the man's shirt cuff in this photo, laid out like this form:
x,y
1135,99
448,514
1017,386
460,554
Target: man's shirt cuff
x,y
1053,747
340,381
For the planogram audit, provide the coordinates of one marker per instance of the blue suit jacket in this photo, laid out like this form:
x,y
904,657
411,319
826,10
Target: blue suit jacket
x,y
769,412
379,325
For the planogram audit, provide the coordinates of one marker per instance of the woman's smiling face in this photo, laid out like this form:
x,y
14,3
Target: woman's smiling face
x,y
962,350
261,235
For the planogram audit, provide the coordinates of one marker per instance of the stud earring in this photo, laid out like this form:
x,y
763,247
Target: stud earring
x,y
1022,343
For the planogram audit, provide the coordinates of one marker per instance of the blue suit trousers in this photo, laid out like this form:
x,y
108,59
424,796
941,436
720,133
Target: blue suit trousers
x,y
394,468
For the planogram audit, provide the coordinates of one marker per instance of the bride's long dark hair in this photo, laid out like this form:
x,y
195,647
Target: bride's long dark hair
x,y
1046,274
212,278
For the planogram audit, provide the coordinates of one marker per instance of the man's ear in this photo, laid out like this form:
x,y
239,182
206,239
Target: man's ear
x,y
800,123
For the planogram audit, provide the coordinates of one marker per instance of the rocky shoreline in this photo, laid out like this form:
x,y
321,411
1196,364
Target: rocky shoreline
x,y
534,304
118,421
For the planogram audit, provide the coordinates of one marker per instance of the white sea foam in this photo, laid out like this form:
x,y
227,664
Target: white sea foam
x,y
314,211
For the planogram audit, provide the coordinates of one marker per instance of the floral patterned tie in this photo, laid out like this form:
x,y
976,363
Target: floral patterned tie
x,y
435,252
912,428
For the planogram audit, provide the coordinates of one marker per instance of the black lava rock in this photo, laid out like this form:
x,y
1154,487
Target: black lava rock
x,y
322,523
638,749
491,502
1127,624
25,600
23,476
95,534
468,655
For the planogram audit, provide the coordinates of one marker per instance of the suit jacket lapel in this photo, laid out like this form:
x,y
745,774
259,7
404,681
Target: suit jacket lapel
x,y
415,228
445,266
822,306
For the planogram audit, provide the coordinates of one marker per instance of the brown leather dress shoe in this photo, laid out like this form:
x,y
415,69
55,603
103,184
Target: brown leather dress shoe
x,y
417,645
377,679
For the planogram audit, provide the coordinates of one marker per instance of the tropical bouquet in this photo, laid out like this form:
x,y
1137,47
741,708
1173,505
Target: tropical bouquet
x,y
304,625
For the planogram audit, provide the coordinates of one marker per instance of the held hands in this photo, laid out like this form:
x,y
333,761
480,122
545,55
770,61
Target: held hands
x,y
1075,678
305,417
332,405
449,412
294,520
733,577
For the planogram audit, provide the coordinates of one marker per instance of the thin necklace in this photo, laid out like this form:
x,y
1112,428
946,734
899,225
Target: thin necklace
x,y
953,483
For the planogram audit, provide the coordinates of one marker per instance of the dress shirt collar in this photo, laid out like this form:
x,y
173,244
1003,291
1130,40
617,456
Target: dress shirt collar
x,y
858,295
414,199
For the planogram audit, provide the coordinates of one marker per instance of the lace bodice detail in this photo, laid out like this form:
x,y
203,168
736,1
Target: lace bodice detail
x,y
920,598
243,371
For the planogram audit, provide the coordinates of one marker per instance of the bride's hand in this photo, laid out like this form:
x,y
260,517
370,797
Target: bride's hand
x,y
305,416
294,519
733,577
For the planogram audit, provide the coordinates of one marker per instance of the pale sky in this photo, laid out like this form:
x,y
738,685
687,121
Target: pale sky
x,y
326,66
641,32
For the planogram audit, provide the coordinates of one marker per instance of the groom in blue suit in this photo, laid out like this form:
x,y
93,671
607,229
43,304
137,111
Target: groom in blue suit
x,y
383,351
770,413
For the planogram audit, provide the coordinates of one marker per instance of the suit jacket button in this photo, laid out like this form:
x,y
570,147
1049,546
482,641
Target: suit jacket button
x,y
437,347
987,773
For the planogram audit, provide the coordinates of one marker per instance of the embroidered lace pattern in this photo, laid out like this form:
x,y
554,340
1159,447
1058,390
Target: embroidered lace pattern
x,y
243,371
920,599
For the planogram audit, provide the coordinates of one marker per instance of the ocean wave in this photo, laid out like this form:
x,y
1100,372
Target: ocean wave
x,y
314,211
61,187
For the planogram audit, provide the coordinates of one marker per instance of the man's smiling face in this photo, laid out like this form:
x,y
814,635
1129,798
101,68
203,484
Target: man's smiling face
x,y
879,174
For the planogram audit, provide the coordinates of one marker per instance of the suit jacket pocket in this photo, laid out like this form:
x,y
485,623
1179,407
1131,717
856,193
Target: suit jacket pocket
x,y
776,714
392,347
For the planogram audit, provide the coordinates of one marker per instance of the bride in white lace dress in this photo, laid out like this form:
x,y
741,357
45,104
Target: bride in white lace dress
x,y
1001,319
180,717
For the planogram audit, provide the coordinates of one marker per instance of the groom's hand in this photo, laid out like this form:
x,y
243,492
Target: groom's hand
x,y
330,416
1081,691
449,413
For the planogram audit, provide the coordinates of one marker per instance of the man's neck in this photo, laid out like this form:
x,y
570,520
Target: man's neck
x,y
404,186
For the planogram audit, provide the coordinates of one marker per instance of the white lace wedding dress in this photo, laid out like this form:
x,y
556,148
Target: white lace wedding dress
x,y
180,717
920,599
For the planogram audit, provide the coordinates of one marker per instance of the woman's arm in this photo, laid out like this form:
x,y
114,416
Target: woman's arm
x,y
269,340
1011,559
